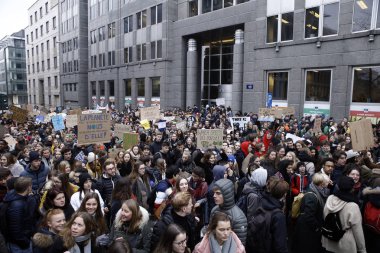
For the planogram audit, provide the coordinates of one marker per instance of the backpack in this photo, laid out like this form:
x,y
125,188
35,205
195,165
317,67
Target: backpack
x,y
371,217
3,219
332,227
296,205
259,237
242,202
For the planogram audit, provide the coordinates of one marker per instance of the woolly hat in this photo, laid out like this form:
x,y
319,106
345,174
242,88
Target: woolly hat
x,y
231,158
259,176
83,177
345,184
91,157
350,154
34,155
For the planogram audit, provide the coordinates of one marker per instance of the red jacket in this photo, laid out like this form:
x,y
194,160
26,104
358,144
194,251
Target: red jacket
x,y
296,185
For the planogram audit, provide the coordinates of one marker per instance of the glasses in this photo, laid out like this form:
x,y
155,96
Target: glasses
x,y
181,243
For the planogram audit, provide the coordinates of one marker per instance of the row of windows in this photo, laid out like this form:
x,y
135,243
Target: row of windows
x,y
69,24
34,34
98,7
70,45
70,86
94,63
42,47
366,84
37,69
321,19
49,84
71,66
41,13
210,5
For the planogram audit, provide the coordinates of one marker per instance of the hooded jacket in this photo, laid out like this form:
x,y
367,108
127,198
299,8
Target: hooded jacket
x,y
38,176
105,187
351,220
43,240
218,172
238,218
140,240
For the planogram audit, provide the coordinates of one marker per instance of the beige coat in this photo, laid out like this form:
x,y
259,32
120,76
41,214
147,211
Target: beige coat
x,y
351,220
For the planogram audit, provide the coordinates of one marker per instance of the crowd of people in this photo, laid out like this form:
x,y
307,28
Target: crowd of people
x,y
260,191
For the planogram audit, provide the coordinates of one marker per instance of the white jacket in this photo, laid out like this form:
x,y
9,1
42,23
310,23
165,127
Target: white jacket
x,y
76,199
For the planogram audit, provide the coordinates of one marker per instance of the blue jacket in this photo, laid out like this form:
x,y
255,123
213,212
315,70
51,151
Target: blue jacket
x,y
38,176
18,219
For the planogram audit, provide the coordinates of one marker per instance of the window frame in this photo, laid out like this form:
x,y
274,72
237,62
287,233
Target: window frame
x,y
279,28
374,17
352,85
331,83
267,83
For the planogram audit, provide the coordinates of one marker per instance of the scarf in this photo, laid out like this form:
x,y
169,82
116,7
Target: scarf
x,y
81,241
228,246
322,194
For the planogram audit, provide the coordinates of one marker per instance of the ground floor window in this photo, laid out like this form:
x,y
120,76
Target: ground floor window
x,y
278,85
318,83
366,85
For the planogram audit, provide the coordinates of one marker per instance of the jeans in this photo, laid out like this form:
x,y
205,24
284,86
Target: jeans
x,y
14,248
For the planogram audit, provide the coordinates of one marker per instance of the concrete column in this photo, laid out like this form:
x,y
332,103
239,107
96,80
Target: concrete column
x,y
134,93
192,86
148,92
237,78
120,95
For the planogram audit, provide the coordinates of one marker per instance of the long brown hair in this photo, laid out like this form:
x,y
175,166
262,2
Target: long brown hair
x,y
135,221
135,174
218,216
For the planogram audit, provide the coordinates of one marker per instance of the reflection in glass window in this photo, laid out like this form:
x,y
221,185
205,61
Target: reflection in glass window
x,y
330,19
278,85
140,87
362,15
206,6
318,84
156,87
287,26
193,8
228,3
378,16
272,25
312,22
217,4
128,87
366,85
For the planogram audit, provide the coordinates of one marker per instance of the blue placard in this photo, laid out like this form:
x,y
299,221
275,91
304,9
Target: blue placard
x,y
249,86
269,100
58,123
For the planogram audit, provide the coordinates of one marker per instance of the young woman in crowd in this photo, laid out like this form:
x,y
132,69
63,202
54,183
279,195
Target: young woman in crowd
x,y
173,240
133,225
135,153
140,183
85,187
220,237
52,224
9,161
56,198
77,236
91,205
300,180
121,193
126,165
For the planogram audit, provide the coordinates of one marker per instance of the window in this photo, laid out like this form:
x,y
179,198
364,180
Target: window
x,y
40,12
47,64
27,39
42,65
93,37
366,16
41,30
55,62
280,15
128,87
54,42
47,45
156,49
31,36
33,70
101,33
92,9
101,7
42,48
318,83
47,26
140,87
37,52
35,16
111,30
193,8
102,88
156,14
31,20
54,23
110,5
366,85
38,67
213,5
28,69
111,58
141,19
155,87
127,54
36,33
46,7
325,16
128,24
111,85
75,43
141,52
55,82
278,85
93,88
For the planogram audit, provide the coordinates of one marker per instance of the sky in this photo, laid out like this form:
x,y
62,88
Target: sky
x,y
13,15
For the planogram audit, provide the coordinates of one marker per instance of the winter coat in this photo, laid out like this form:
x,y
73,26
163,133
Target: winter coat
x,y
254,194
163,190
59,247
238,218
105,187
18,215
185,166
168,217
38,176
205,247
43,240
218,173
77,197
140,240
299,183
200,189
351,220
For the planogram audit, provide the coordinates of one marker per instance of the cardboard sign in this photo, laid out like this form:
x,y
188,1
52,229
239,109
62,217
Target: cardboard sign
x,y
94,128
277,112
145,124
241,121
112,153
58,123
3,130
209,138
317,125
75,111
220,101
120,129
295,138
71,120
182,125
19,115
150,113
40,119
80,157
361,135
11,142
129,140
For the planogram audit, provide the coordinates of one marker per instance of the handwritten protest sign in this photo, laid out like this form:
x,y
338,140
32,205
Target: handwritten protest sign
x,y
71,120
150,113
220,101
129,140
19,115
209,138
11,142
3,130
241,121
182,125
276,112
361,135
94,128
75,111
120,129
317,125
58,123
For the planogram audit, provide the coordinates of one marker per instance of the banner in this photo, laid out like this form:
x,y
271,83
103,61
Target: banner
x,y
94,128
120,129
19,115
80,157
362,135
71,120
209,138
150,113
129,140
241,121
58,123
277,112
